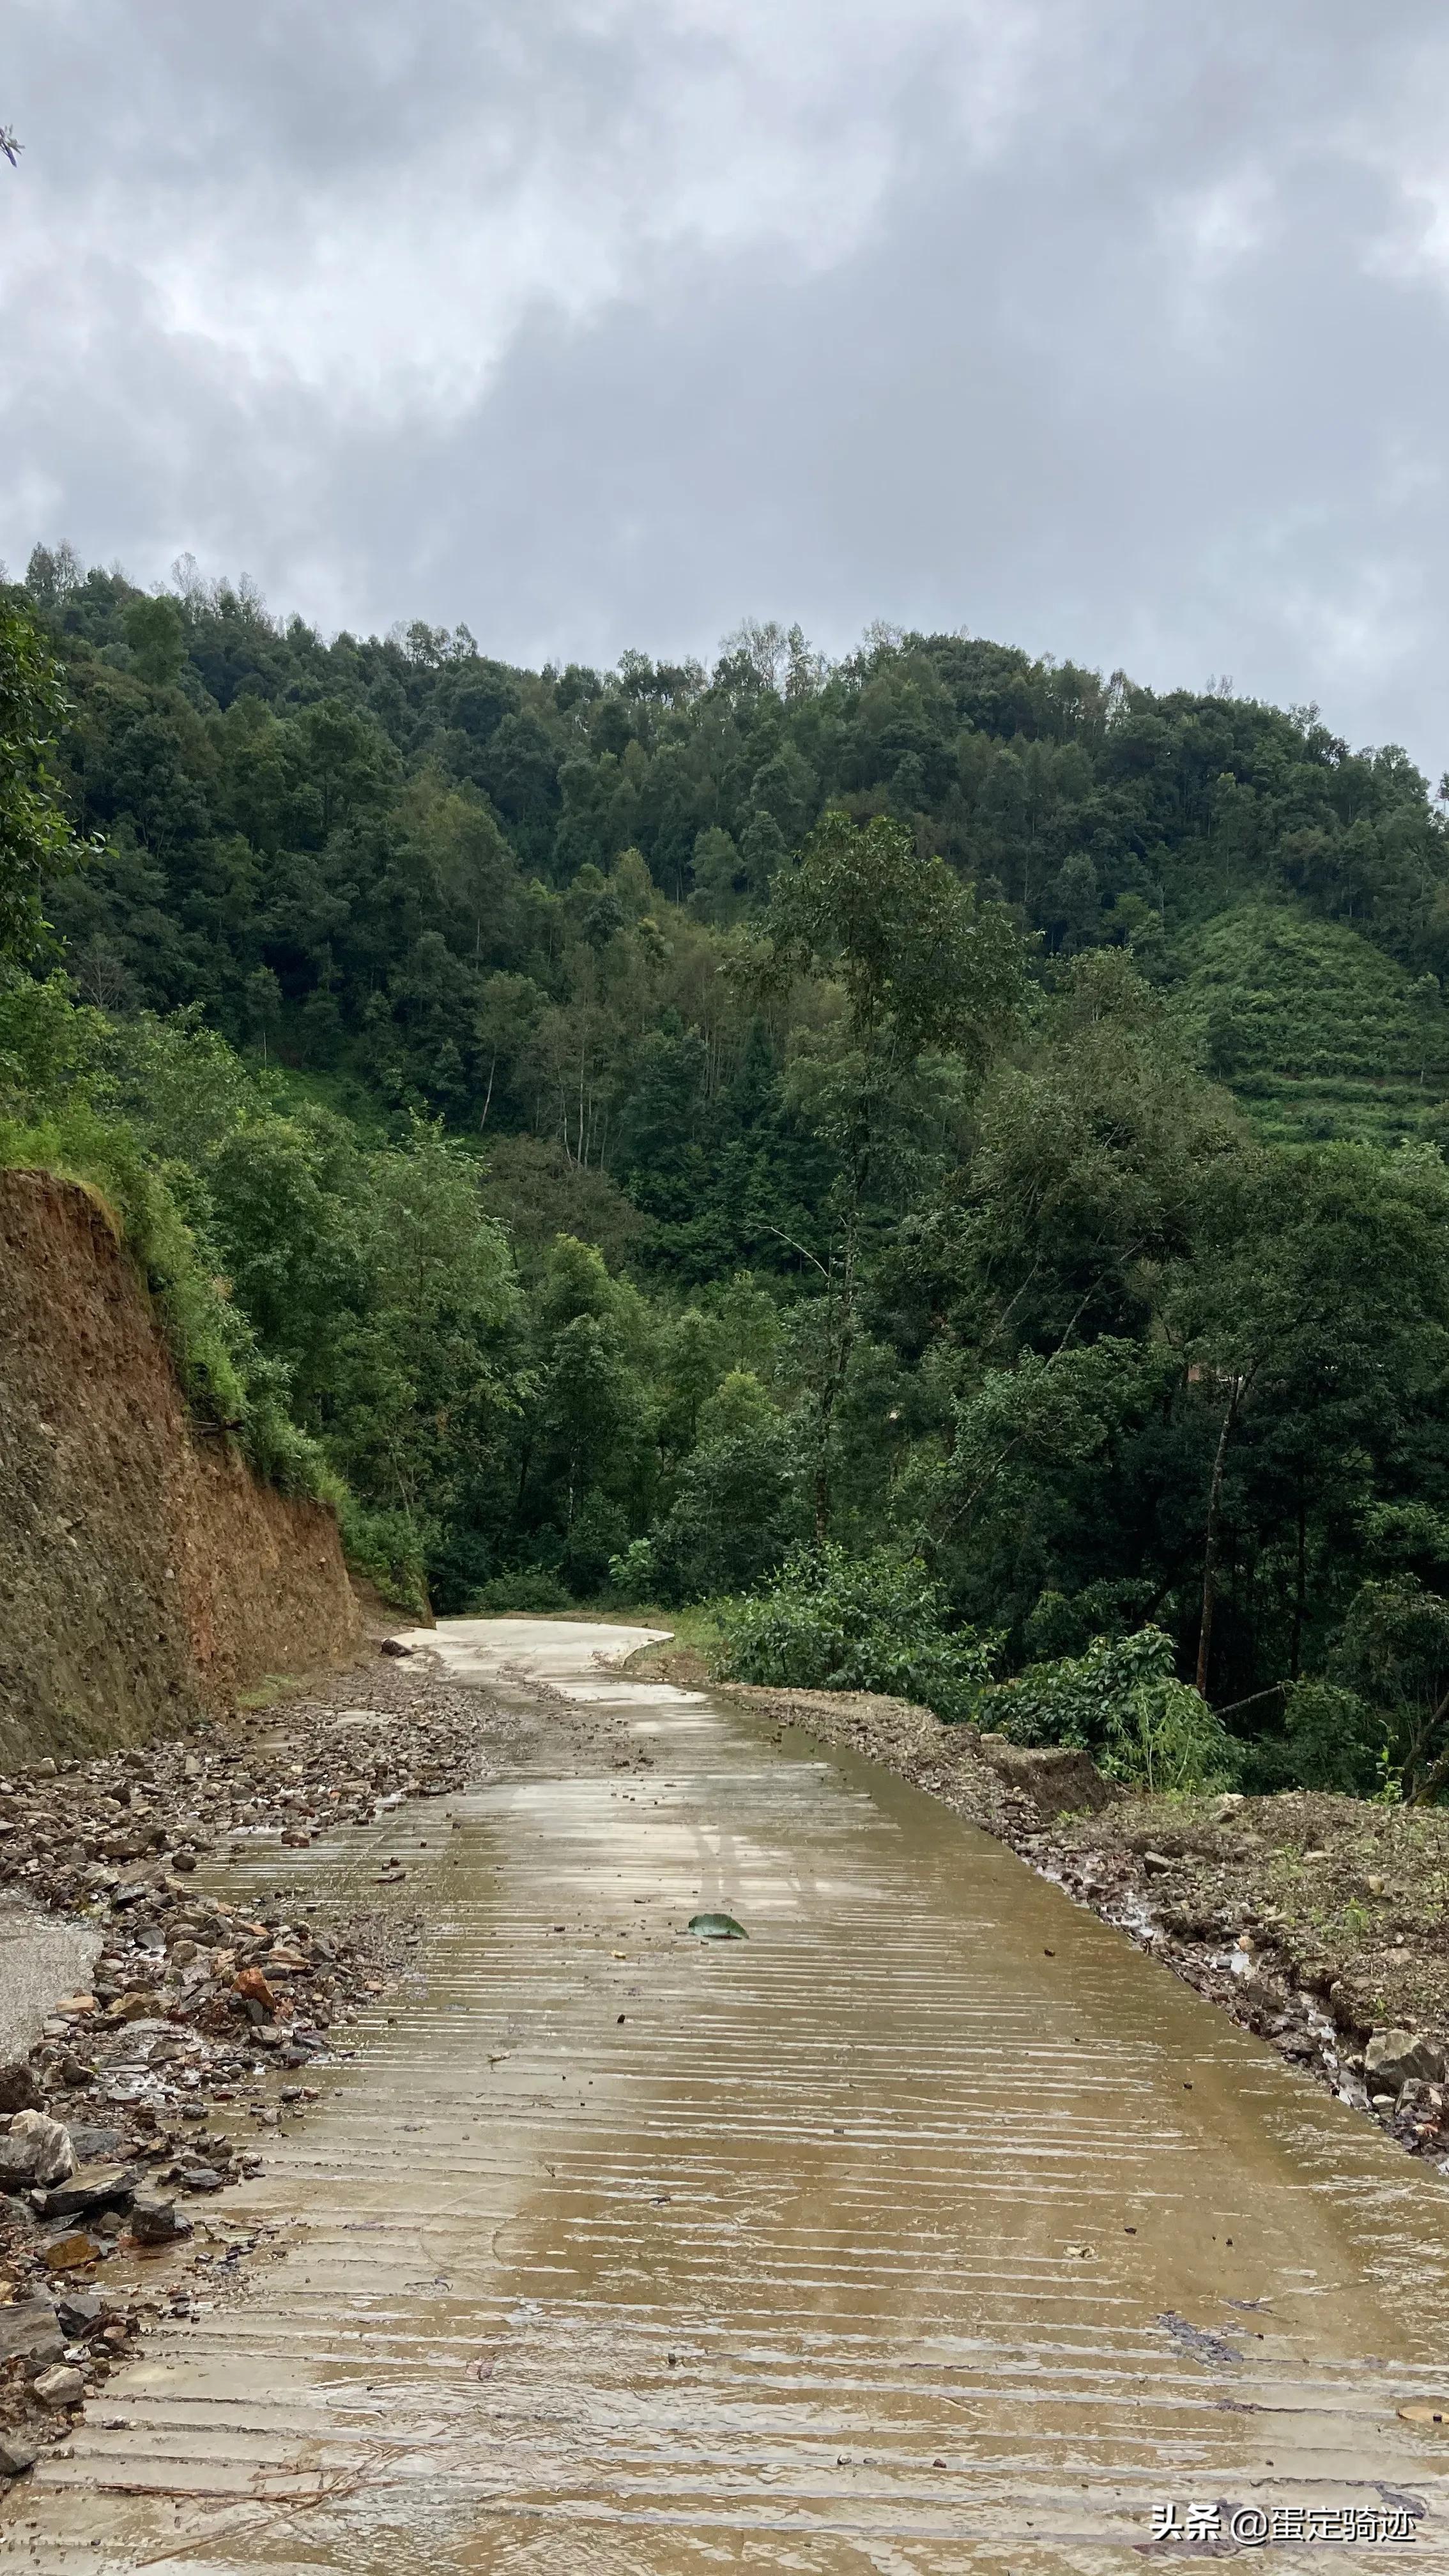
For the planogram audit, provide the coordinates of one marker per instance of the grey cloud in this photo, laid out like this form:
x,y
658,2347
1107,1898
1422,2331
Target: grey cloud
x,y
1110,331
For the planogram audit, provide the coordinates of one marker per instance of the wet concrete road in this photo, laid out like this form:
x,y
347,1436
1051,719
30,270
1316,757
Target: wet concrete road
x,y
40,1956
932,2228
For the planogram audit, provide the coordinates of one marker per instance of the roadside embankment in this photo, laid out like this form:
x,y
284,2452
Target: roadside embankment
x,y
1321,1923
144,1572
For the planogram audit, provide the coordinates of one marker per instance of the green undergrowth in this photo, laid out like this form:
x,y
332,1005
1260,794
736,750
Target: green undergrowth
x,y
832,1622
385,1548
228,1383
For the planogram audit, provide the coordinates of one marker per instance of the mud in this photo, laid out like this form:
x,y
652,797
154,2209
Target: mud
x,y
934,2226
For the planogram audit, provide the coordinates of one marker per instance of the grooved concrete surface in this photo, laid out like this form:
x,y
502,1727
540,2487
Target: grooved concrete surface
x,y
41,1957
931,2228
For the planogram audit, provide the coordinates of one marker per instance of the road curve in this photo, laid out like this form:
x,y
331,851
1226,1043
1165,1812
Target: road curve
x,y
933,2227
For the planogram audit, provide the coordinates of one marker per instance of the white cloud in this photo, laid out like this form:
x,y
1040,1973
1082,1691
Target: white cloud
x,y
1115,329
463,180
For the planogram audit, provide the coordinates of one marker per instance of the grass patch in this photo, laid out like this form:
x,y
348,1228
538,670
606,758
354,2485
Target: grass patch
x,y
690,1657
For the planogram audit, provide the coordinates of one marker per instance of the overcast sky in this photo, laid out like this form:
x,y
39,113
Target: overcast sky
x,y
1114,328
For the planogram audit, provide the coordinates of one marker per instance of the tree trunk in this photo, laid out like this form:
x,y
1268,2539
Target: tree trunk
x,y
830,1392
1210,1545
1300,1591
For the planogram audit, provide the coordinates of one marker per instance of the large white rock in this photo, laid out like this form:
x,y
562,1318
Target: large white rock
x,y
37,2150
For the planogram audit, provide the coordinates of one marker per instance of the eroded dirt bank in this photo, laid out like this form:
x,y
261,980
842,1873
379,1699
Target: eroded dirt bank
x,y
929,2227
143,1572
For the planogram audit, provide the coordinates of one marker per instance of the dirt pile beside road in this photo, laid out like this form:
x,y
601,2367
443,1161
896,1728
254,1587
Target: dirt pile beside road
x,y
1321,1922
144,1573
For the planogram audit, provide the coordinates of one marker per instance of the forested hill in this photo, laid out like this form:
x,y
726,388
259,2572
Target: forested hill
x,y
942,1145
400,860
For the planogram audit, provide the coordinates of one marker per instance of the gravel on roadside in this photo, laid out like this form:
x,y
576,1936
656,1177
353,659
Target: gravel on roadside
x,y
205,2021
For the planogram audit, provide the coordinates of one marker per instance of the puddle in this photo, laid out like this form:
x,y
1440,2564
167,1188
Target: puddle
x,y
933,2227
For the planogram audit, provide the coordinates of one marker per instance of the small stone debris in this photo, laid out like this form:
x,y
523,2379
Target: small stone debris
x,y
77,2312
90,2187
140,2084
1199,2342
1056,1778
253,1988
17,2454
30,2332
63,2386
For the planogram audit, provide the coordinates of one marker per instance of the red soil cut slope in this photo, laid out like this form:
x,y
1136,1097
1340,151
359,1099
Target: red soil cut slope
x,y
145,1573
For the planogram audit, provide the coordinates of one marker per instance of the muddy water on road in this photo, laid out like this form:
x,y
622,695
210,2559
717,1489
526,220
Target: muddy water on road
x,y
931,2228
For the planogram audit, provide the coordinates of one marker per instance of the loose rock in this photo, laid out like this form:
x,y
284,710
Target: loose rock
x,y
155,2221
193,1999
29,2332
35,2151
1394,2058
90,2187
63,2386
77,2311
73,2252
1056,1777
19,2089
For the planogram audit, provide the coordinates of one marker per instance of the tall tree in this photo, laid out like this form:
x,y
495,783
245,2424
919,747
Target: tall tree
x,y
930,979
36,840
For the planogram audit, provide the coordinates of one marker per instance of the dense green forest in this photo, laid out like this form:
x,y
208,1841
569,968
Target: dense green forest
x,y
955,1129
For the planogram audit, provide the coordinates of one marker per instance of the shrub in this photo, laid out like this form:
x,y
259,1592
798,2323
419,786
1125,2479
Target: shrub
x,y
632,1576
386,1548
526,1589
1333,1738
1167,1739
1122,1703
829,1621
